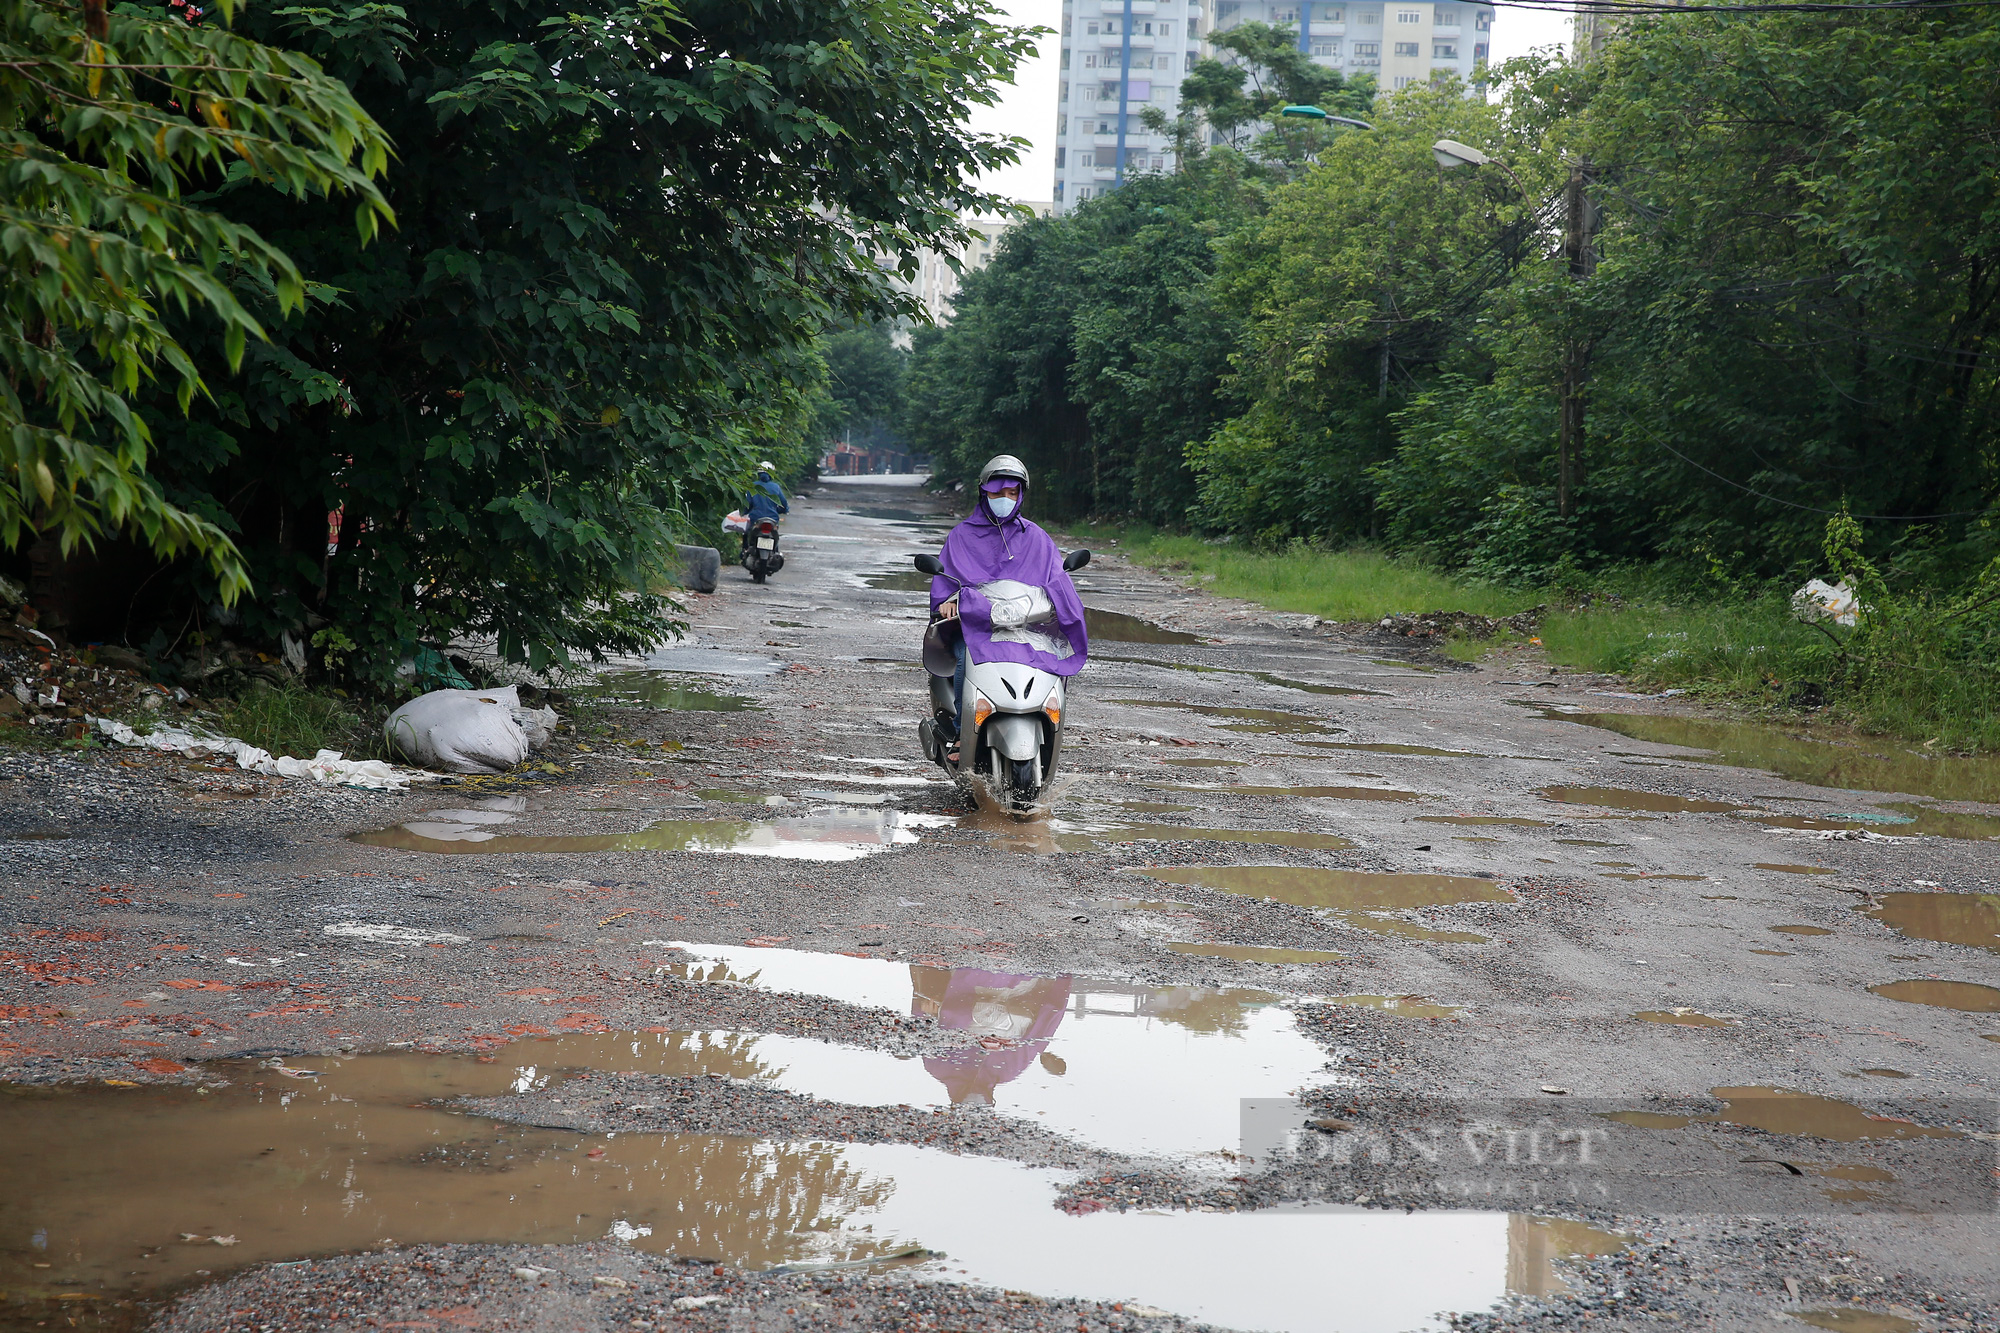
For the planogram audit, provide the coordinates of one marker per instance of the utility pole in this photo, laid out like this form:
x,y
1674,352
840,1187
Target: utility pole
x,y
1579,229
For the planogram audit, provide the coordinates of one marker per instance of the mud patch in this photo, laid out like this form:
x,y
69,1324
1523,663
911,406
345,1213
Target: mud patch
x,y
1626,798
1257,953
1781,1111
1260,721
1686,1018
1325,793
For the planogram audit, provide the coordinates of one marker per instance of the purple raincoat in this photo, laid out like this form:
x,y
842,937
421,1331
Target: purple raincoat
x,y
983,549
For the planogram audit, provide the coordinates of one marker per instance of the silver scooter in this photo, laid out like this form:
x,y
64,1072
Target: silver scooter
x,y
1011,733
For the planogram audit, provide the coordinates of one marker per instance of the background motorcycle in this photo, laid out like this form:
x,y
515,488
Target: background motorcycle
x,y
760,549
1011,733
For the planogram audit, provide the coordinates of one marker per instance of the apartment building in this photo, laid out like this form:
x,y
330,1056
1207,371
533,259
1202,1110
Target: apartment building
x,y
936,282
1121,56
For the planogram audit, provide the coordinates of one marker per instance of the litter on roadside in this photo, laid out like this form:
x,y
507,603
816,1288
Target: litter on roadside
x,y
327,766
469,731
1819,600
1837,834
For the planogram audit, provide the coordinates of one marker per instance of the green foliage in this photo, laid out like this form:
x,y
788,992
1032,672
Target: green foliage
x,y
865,371
299,722
1239,98
1091,347
1352,584
106,124
622,229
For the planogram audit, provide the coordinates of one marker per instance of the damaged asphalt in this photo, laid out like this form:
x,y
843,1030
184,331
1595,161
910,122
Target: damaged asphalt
x,y
755,920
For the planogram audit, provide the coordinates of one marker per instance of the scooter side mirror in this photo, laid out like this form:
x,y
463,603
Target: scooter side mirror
x,y
1075,560
928,564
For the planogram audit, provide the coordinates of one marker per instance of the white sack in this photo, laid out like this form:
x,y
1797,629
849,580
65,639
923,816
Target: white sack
x,y
469,731
326,766
1820,600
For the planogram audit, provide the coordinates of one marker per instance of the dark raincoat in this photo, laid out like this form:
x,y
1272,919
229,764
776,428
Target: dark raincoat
x,y
765,500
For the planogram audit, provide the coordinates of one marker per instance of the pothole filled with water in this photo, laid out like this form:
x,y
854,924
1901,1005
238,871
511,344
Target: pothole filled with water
x,y
842,834
1354,897
1687,1018
1625,798
1965,996
1117,627
1323,793
1781,1111
1948,918
662,689
1854,762
1260,721
1257,953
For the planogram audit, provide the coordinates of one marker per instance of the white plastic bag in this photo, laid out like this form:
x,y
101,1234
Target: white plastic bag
x,y
469,731
1820,600
326,766
736,521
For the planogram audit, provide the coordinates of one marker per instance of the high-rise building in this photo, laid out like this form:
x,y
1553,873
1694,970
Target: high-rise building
x,y
936,282
1121,56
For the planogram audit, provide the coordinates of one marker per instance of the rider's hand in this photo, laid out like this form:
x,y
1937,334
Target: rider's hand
x,y
948,609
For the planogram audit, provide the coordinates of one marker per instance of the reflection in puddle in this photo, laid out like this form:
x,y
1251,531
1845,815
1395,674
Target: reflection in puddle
x,y
1117,627
1687,1018
1331,793
1965,996
1264,721
1137,1069
1256,953
1408,1006
661,689
1624,798
300,1171
1781,1111
1860,763
1355,896
1949,918
821,835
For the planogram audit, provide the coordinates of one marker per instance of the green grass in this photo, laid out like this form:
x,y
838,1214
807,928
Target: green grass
x,y
1357,584
1726,647
299,722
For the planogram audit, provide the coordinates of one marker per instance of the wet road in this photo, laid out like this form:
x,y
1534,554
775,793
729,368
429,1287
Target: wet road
x,y
1328,973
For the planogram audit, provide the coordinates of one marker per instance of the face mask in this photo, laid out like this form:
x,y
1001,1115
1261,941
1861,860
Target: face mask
x,y
1003,506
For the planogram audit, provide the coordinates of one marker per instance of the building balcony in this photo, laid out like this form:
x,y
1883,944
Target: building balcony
x,y
1116,8
1329,29
1445,30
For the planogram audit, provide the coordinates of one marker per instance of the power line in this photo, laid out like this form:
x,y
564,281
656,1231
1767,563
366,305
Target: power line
x,y
1793,504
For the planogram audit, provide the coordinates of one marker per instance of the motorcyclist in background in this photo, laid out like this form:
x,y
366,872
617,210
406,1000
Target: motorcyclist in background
x,y
764,499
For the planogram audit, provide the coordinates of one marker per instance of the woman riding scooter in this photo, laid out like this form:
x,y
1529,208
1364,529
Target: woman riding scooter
x,y
998,543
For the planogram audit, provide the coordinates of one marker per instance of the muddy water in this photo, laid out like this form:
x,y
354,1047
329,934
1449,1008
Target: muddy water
x,y
1339,890
1780,1111
1802,930
1687,1018
1852,761
1407,1006
1508,820
290,1172
1327,793
1117,627
899,580
1965,996
1795,870
821,835
1857,1321
1389,747
1948,918
1257,837
1262,721
1257,953
662,689
1282,682
1623,798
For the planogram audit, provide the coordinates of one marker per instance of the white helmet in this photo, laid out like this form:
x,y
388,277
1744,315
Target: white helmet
x,y
1003,465
767,467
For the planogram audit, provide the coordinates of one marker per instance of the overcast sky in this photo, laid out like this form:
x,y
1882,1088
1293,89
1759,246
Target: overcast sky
x,y
1028,107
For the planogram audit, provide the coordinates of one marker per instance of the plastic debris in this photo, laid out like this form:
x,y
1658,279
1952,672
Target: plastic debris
x,y
736,521
382,934
1819,600
1837,835
326,766
695,1302
469,731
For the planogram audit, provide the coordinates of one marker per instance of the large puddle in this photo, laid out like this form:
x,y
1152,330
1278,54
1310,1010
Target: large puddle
x,y
1259,721
1355,897
1328,793
1256,837
843,833
1948,918
1625,798
1965,996
662,689
1858,763
276,1173
1117,627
